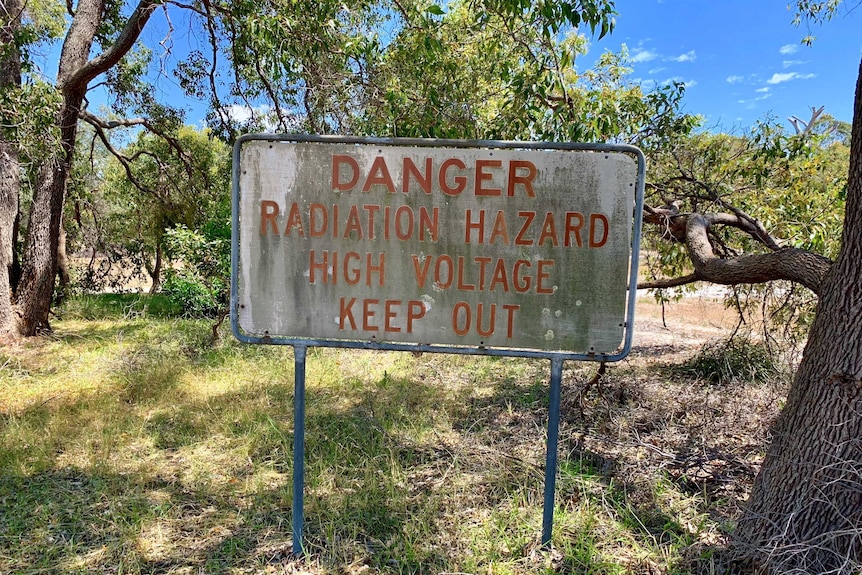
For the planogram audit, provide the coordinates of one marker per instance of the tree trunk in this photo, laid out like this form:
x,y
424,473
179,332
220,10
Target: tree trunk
x,y
156,271
10,79
805,510
64,276
39,263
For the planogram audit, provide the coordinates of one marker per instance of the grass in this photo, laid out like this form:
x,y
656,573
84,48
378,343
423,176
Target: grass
x,y
130,444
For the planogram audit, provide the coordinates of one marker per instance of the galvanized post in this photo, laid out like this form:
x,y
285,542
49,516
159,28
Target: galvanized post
x,y
551,455
298,446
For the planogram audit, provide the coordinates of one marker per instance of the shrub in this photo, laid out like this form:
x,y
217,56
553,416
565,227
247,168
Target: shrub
x,y
739,358
191,294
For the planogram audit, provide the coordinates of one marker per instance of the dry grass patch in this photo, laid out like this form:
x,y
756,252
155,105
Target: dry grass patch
x,y
130,444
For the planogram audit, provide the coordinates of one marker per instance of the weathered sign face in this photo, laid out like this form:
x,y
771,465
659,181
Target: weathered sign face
x,y
476,247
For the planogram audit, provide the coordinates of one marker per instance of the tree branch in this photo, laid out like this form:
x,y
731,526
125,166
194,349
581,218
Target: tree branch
x,y
124,43
670,282
800,266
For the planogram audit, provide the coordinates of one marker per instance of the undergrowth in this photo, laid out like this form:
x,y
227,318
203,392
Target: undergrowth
x,y
130,443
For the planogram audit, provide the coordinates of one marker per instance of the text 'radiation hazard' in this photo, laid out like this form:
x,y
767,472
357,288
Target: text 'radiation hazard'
x,y
369,218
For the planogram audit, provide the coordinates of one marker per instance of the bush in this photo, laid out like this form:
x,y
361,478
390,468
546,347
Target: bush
x,y
736,359
194,297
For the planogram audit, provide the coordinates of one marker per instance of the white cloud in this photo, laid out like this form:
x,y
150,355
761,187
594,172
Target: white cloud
x,y
689,56
645,83
734,79
679,80
788,76
261,114
656,70
788,49
763,90
642,55
789,63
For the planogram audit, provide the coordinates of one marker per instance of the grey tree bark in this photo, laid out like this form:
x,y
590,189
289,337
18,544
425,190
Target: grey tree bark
x,y
39,262
10,79
805,510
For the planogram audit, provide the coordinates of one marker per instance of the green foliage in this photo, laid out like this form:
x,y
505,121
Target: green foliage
x,y
508,71
791,184
190,293
123,212
200,283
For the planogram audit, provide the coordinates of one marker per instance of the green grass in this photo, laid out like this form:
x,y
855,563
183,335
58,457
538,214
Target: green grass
x,y
129,443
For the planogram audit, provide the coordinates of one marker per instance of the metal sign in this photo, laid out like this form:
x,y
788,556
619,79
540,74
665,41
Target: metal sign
x,y
497,248
402,244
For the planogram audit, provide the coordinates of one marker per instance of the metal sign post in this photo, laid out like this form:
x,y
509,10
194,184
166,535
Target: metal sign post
x,y
519,249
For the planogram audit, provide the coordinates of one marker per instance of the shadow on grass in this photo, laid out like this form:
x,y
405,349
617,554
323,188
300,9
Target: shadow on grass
x,y
404,474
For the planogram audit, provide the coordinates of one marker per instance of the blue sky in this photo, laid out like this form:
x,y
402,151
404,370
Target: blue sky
x,y
740,59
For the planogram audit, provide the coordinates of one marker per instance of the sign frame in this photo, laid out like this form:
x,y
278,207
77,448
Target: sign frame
x,y
637,221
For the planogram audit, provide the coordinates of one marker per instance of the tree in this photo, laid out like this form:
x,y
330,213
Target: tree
x,y
141,192
805,510
10,80
286,65
90,21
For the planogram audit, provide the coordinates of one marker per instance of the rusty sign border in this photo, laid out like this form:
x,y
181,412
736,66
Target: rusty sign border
x,y
439,348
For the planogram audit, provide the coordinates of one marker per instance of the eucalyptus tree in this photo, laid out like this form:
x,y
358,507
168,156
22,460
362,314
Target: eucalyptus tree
x,y
286,65
772,206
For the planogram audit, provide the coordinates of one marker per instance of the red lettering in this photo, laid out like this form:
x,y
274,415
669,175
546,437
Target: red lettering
x,y
389,315
415,311
346,312
423,181
460,181
353,274
492,318
510,320
500,229
542,275
449,273
372,210
371,269
549,230
353,223
400,220
520,240
462,285
597,243
500,276
459,307
318,220
573,228
483,176
294,221
337,183
379,175
268,214
422,274
430,223
478,226
483,264
521,286
314,267
368,314
525,180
